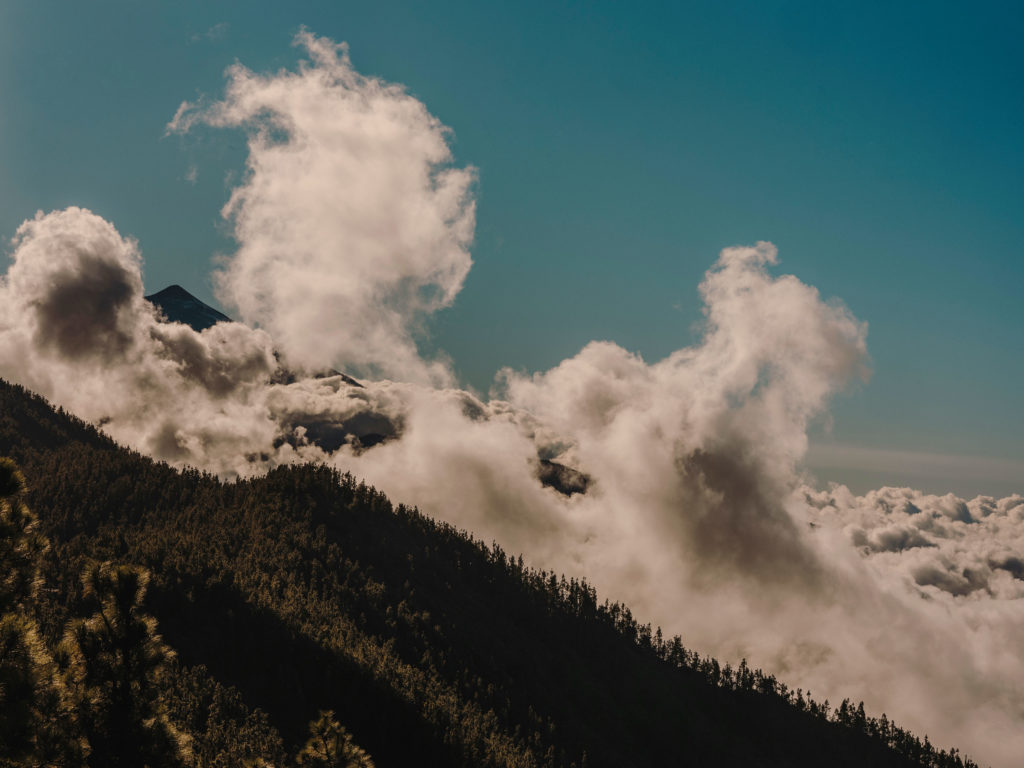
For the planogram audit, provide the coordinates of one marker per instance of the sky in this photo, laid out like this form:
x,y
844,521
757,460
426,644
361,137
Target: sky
x,y
618,148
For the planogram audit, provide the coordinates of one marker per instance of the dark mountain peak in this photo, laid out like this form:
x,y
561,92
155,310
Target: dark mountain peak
x,y
180,306
172,291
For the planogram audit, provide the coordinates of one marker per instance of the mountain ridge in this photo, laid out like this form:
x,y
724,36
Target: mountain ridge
x,y
304,589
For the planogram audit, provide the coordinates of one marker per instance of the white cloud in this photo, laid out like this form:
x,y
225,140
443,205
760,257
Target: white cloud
x,y
352,224
75,327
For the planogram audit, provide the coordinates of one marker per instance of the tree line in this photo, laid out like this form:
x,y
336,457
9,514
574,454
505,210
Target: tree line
x,y
305,592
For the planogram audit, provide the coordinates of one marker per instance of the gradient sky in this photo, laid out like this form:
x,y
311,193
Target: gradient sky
x,y
620,146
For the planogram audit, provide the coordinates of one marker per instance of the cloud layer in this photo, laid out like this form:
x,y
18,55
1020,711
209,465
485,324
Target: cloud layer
x,y
352,227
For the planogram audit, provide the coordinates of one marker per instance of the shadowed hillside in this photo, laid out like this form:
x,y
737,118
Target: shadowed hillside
x,y
305,591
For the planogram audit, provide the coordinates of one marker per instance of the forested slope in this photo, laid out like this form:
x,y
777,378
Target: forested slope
x,y
305,591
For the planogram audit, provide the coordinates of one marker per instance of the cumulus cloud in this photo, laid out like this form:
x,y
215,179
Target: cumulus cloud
x,y
77,285
717,429
936,544
352,223
675,485
74,326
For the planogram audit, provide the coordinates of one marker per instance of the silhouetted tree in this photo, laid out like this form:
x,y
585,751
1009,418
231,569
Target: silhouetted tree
x,y
115,660
36,725
331,746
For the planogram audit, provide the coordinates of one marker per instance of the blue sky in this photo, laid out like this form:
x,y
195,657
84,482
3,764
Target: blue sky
x,y
619,147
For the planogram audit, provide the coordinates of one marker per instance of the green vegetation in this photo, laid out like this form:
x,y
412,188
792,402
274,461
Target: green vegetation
x,y
314,623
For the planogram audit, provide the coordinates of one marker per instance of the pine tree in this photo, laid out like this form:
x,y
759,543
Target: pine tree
x,y
115,661
331,746
36,723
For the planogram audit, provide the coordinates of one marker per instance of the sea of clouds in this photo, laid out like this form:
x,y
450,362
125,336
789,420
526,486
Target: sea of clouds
x,y
353,226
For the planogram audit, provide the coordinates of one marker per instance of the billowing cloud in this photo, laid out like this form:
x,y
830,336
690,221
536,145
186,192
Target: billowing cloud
x,y
77,285
352,224
936,544
74,326
716,429
675,485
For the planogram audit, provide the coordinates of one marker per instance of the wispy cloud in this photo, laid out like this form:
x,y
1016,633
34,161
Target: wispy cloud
x,y
216,32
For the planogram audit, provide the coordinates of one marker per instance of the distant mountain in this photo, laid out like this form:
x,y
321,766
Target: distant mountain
x,y
305,590
180,306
